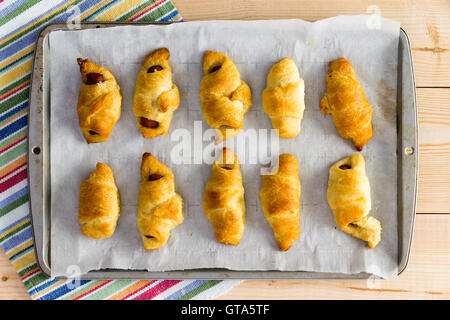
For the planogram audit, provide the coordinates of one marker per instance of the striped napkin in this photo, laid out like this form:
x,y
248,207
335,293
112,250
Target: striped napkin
x,y
20,23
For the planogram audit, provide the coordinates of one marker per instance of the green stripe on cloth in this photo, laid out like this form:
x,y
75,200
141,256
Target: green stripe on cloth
x,y
153,15
39,23
13,137
28,269
23,7
109,290
17,230
15,84
14,100
15,152
200,289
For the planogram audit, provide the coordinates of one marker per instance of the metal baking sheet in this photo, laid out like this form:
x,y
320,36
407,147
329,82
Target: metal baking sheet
x,y
39,173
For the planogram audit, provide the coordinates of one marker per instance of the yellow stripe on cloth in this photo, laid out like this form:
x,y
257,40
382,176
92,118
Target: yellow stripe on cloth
x,y
37,21
16,73
17,56
118,10
24,261
19,248
14,228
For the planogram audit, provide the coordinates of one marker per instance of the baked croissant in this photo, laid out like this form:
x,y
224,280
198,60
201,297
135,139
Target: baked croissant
x,y
349,197
345,100
284,98
156,97
223,201
280,200
99,203
160,208
99,102
225,97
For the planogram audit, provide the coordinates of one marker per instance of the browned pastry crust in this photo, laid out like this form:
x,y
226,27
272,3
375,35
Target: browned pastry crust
x,y
99,203
225,97
99,102
283,99
160,208
223,201
280,200
349,197
346,102
156,97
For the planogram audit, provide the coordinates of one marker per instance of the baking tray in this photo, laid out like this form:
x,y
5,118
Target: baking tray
x,y
39,165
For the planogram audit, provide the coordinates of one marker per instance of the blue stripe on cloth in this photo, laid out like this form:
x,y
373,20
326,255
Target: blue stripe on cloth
x,y
16,240
169,16
186,289
12,198
33,20
30,247
98,10
13,127
30,38
11,7
29,54
59,292
17,109
15,223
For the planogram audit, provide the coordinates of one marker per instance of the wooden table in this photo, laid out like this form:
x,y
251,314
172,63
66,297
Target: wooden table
x,y
428,26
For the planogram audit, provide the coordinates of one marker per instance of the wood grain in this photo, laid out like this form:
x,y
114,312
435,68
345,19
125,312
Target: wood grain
x,y
11,287
427,23
426,277
434,150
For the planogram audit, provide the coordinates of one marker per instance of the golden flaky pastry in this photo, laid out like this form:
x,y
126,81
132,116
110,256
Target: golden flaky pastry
x,y
349,197
280,201
156,97
284,98
223,201
160,208
346,102
99,102
225,97
99,203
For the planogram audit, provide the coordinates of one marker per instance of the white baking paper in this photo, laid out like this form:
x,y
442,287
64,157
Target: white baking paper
x,y
368,42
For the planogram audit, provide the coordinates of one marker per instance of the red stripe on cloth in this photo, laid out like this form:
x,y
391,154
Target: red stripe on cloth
x,y
13,180
13,144
147,10
15,90
159,288
140,289
7,173
30,274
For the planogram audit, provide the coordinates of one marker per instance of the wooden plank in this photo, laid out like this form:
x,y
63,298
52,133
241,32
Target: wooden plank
x,y
426,277
426,22
434,150
11,287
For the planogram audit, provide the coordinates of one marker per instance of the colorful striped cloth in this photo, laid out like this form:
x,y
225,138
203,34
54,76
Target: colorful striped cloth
x,y
20,23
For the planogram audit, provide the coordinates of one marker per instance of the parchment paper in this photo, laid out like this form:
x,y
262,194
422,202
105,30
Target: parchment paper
x,y
254,46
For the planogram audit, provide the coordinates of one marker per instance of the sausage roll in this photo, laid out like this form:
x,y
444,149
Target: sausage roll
x,y
280,200
349,197
156,97
99,203
99,102
225,97
346,102
284,98
223,201
160,208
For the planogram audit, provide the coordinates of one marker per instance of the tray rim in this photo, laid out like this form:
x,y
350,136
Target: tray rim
x,y
209,273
